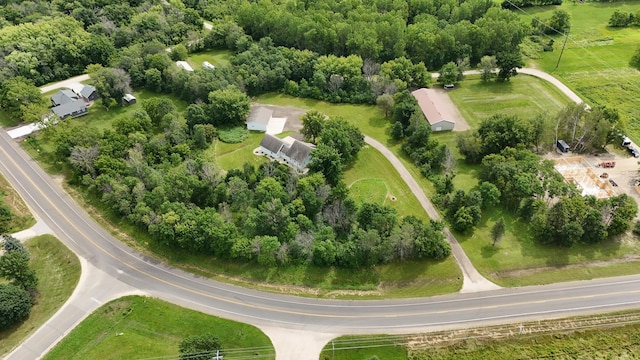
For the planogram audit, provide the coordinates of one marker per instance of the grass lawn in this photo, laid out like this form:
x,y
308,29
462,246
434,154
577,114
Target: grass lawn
x,y
518,260
373,179
233,156
22,218
595,62
524,96
58,271
136,327
215,57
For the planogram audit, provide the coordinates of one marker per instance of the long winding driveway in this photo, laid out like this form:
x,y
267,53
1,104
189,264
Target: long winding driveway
x,y
115,269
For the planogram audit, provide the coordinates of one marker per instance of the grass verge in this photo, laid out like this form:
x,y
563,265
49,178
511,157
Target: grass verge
x,y
22,218
136,327
58,271
605,336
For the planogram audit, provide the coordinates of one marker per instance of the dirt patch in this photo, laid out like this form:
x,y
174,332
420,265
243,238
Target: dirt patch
x,y
625,173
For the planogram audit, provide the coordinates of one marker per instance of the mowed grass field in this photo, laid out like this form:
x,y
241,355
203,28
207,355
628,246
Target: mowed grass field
x,y
136,327
595,62
58,271
215,57
523,95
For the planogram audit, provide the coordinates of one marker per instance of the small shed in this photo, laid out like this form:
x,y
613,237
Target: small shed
x,y
128,99
562,146
89,93
208,65
259,118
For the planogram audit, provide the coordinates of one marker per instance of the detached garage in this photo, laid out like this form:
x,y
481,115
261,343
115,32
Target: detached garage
x,y
259,118
435,116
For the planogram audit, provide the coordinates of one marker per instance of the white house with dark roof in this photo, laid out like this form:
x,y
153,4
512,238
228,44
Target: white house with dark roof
x,y
271,146
436,116
296,154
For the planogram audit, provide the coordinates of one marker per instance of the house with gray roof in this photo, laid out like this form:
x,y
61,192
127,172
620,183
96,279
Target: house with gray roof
x,y
63,97
72,109
271,146
294,153
89,93
298,155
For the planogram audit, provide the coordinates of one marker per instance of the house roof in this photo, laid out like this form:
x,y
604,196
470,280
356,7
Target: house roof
x,y
272,143
260,115
64,96
128,97
429,108
76,87
87,90
298,151
69,108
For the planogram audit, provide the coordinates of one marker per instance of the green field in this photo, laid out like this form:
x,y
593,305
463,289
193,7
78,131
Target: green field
x,y
233,156
58,271
595,62
524,96
136,327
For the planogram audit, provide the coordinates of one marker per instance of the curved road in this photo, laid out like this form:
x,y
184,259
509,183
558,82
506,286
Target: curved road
x,y
111,259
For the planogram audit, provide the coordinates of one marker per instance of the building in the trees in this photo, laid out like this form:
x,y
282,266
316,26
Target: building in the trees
x,y
184,65
63,97
436,116
86,92
128,99
208,65
294,153
67,103
71,109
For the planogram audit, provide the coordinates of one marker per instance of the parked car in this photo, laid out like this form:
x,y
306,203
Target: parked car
x,y
633,151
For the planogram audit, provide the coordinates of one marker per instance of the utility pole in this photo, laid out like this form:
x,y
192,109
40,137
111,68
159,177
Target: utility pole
x,y
566,36
217,356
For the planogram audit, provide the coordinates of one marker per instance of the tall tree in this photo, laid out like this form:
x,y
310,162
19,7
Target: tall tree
x,y
228,107
508,62
312,125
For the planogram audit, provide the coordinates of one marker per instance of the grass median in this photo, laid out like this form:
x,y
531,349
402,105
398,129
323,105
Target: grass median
x,y
137,327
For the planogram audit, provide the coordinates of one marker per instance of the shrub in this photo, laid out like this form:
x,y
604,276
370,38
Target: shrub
x,y
233,135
